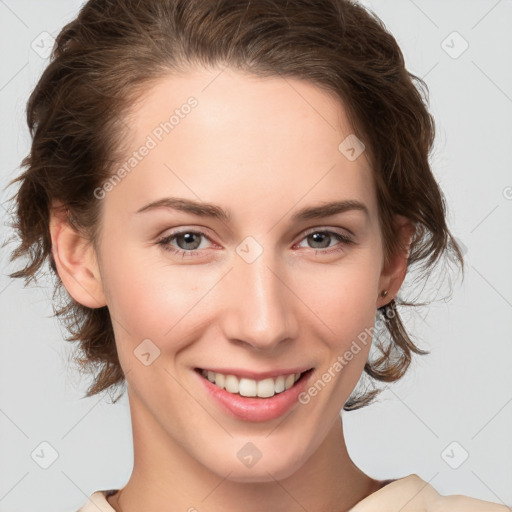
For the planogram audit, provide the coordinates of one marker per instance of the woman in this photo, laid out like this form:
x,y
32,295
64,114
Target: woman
x,y
187,157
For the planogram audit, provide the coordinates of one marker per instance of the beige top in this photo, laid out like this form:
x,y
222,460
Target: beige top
x,y
408,494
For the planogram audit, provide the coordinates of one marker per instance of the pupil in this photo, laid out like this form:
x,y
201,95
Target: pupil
x,y
321,235
188,237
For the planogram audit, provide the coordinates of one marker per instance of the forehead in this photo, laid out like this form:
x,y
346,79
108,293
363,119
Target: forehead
x,y
230,137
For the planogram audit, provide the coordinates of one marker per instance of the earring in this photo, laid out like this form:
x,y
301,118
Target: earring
x,y
383,293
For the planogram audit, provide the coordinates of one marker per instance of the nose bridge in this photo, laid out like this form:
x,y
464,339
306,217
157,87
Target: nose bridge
x,y
261,308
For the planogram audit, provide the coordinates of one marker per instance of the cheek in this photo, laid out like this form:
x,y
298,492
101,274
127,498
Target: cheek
x,y
343,300
343,295
149,298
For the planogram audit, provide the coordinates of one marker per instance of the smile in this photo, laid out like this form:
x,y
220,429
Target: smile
x,y
264,388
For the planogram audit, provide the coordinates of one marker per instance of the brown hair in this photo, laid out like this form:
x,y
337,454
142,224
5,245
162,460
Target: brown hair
x,y
104,60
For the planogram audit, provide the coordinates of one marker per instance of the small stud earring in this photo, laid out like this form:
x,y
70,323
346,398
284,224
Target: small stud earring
x,y
384,293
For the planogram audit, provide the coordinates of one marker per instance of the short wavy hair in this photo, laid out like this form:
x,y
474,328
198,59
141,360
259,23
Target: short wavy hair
x,y
105,58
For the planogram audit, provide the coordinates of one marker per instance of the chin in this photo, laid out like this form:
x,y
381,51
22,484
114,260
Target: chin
x,y
276,466
263,474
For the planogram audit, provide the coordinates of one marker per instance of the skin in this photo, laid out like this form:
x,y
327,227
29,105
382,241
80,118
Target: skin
x,y
262,149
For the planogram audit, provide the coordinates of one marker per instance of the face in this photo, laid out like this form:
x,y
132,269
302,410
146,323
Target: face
x,y
259,292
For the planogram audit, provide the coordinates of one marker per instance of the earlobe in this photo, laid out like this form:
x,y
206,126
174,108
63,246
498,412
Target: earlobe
x,y
75,260
394,272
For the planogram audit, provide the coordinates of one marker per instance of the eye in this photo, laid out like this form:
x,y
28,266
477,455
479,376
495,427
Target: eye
x,y
188,242
323,238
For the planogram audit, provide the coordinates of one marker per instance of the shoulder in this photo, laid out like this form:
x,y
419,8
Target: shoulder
x,y
413,494
407,494
98,502
459,503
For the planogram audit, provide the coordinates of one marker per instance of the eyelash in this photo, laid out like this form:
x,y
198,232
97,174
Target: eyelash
x,y
164,242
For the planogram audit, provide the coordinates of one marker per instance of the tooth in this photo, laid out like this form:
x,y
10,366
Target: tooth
x,y
266,388
220,380
279,386
289,381
247,387
231,384
250,387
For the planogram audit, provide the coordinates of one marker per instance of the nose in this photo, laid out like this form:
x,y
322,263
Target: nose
x,y
260,309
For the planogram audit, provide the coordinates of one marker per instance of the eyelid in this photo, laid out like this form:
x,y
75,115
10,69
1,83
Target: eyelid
x,y
204,231
337,230
344,241
179,230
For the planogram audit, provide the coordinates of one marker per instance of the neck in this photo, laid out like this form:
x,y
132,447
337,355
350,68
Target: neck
x,y
166,477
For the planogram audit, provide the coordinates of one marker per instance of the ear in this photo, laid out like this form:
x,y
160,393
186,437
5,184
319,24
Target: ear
x,y
75,260
394,271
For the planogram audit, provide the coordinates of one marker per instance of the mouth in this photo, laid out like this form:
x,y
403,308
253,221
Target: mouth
x,y
253,388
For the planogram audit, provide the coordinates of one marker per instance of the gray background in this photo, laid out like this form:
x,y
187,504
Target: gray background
x,y
455,402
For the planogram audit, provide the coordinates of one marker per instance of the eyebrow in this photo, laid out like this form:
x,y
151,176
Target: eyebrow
x,y
211,210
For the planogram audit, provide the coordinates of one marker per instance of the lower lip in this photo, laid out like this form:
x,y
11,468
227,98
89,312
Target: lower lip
x,y
254,408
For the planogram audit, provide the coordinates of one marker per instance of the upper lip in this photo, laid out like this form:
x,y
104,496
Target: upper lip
x,y
249,374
